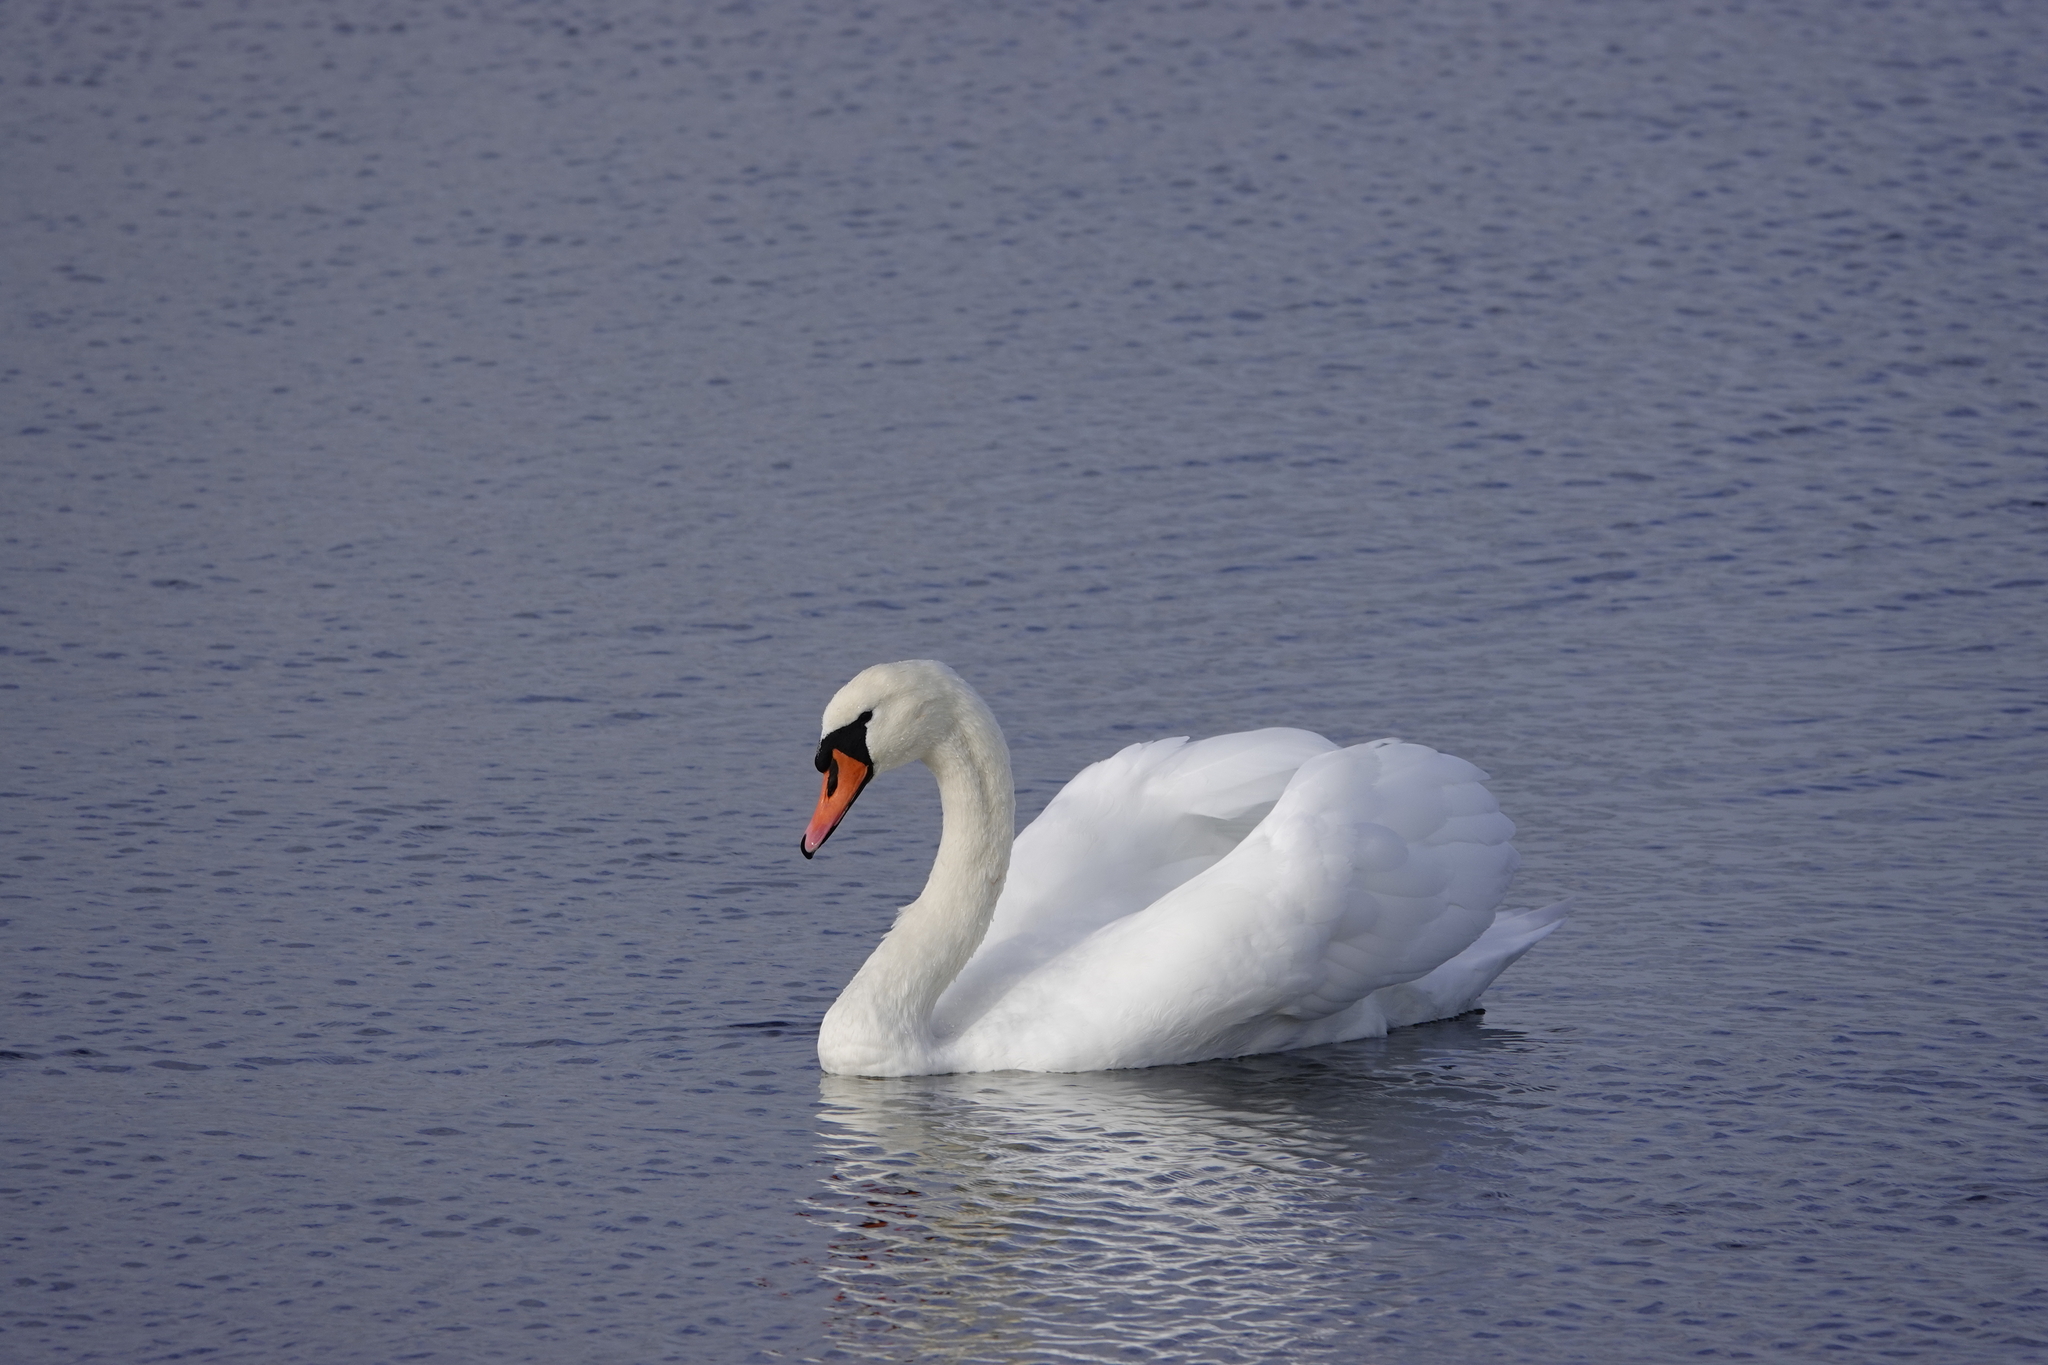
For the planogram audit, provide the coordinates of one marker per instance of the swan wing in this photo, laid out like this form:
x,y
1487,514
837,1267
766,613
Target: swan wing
x,y
1121,834
1377,865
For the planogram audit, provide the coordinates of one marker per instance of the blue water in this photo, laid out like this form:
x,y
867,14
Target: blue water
x,y
452,454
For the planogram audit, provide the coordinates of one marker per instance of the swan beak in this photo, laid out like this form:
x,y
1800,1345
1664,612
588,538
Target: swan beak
x,y
845,776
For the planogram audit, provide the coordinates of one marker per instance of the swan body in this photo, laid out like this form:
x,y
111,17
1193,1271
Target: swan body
x,y
1176,902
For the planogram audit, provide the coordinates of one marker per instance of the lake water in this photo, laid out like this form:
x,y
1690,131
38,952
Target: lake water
x,y
452,453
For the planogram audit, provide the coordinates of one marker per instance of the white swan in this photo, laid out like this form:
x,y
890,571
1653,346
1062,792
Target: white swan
x,y
1176,902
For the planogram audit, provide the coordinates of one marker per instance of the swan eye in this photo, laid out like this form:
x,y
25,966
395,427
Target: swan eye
x,y
850,739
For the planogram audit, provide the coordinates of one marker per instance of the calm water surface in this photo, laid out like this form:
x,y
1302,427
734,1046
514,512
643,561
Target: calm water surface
x,y
451,455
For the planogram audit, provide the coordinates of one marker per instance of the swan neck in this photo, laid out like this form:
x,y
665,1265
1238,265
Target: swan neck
x,y
978,814
881,1024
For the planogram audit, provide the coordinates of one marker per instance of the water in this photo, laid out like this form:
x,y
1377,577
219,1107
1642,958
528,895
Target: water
x,y
453,454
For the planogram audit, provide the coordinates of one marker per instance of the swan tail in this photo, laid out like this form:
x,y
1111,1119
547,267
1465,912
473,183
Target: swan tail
x,y
1456,986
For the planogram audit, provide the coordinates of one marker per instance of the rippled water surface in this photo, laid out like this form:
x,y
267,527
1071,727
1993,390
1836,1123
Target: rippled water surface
x,y
452,453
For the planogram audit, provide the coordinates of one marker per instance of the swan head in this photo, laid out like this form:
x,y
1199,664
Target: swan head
x,y
885,717
889,715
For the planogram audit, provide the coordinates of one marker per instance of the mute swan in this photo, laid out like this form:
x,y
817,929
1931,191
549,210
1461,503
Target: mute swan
x,y
1175,902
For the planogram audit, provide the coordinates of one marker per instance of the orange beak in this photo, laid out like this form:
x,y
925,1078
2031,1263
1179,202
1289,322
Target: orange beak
x,y
845,776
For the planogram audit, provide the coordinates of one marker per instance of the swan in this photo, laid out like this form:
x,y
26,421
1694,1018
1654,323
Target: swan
x,y
1176,902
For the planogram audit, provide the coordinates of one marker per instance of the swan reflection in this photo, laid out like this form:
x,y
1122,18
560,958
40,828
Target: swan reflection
x,y
1225,1210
